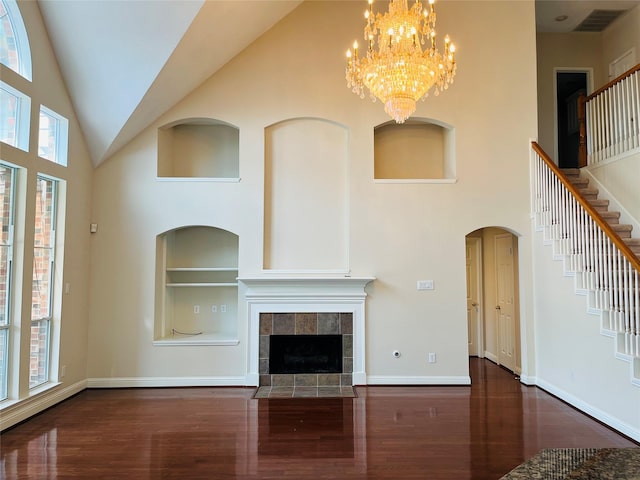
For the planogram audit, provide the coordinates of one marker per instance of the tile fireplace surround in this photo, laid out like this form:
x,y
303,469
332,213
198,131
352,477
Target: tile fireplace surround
x,y
312,323
293,305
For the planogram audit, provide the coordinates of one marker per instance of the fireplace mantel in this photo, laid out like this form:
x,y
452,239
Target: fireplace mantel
x,y
300,294
316,287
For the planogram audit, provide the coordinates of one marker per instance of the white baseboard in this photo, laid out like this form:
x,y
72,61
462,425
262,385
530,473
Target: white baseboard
x,y
130,382
596,413
527,380
491,356
417,380
23,409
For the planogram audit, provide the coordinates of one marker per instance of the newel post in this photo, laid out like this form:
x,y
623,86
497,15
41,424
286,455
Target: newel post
x,y
582,148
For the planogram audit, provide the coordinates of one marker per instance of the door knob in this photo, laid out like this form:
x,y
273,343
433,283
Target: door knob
x,y
498,307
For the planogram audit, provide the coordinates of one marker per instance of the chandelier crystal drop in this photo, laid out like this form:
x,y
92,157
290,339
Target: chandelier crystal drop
x,y
395,68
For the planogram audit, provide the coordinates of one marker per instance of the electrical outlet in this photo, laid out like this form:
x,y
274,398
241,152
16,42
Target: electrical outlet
x,y
214,308
196,309
425,285
63,371
432,357
223,308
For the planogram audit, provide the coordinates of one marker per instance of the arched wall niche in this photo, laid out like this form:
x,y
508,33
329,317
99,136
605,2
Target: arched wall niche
x,y
199,148
419,149
306,195
196,286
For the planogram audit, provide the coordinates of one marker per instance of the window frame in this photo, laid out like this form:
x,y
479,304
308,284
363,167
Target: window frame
x,y
47,320
23,117
60,149
22,47
7,325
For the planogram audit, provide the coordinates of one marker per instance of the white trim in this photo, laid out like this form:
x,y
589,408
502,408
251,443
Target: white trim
x,y
305,294
416,180
490,356
140,382
595,412
24,409
417,380
528,381
199,179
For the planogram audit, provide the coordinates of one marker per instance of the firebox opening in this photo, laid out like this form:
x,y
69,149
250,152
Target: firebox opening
x,y
290,354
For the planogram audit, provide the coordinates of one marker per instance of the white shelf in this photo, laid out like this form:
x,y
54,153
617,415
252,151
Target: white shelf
x,y
201,269
203,339
197,271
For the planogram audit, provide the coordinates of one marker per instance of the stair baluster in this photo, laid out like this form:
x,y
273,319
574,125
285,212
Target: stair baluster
x,y
588,238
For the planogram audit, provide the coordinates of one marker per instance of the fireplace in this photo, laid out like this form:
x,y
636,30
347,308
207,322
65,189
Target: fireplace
x,y
311,349
291,354
319,306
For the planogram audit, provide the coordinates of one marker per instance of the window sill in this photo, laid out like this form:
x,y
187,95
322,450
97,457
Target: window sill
x,y
33,393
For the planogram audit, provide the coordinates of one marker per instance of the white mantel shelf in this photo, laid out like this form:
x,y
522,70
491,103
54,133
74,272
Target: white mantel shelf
x,y
302,286
269,294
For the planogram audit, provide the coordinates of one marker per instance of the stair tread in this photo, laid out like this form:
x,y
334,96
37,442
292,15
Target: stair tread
x,y
622,227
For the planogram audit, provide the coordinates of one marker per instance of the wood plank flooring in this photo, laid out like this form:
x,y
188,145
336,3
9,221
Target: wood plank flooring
x,y
436,433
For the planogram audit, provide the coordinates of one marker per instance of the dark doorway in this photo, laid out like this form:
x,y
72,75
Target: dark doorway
x,y
569,87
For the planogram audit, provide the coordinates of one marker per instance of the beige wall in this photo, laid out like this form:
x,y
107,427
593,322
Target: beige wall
x,y
620,37
564,51
399,233
619,183
71,309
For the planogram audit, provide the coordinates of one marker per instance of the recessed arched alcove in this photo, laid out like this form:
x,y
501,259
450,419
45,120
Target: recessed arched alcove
x,y
199,148
306,163
419,149
196,286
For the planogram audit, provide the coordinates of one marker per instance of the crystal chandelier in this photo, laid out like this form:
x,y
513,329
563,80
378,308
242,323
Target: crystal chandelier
x,y
396,69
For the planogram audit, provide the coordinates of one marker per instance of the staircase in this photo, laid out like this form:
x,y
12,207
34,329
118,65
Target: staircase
x,y
602,206
596,249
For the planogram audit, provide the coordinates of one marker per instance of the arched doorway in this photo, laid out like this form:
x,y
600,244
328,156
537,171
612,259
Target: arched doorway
x,y
492,296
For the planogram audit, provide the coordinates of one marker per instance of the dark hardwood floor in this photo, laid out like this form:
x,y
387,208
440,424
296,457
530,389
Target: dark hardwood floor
x,y
436,433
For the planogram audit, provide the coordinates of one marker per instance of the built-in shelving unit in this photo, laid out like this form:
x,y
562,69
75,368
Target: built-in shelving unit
x,y
198,149
196,287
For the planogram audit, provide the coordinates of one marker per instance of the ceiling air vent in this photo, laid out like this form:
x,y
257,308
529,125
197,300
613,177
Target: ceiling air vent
x,y
598,20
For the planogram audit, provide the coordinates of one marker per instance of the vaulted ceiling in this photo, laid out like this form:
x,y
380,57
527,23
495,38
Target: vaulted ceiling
x,y
126,62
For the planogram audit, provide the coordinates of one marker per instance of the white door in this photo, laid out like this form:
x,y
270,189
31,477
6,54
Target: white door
x,y
505,319
473,295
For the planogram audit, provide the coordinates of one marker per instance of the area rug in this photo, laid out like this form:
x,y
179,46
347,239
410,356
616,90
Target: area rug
x,y
580,464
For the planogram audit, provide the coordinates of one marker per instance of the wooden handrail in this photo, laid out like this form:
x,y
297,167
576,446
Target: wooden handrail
x,y
619,243
629,72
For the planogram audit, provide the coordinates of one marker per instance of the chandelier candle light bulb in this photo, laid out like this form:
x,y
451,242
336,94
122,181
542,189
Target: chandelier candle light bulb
x,y
398,71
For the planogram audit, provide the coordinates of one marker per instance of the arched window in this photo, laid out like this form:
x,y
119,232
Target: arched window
x,y
14,43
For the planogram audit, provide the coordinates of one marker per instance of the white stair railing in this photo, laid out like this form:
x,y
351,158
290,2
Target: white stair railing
x,y
604,265
612,125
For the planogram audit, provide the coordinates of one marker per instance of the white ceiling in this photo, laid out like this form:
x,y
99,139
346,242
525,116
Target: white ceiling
x,y
126,62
